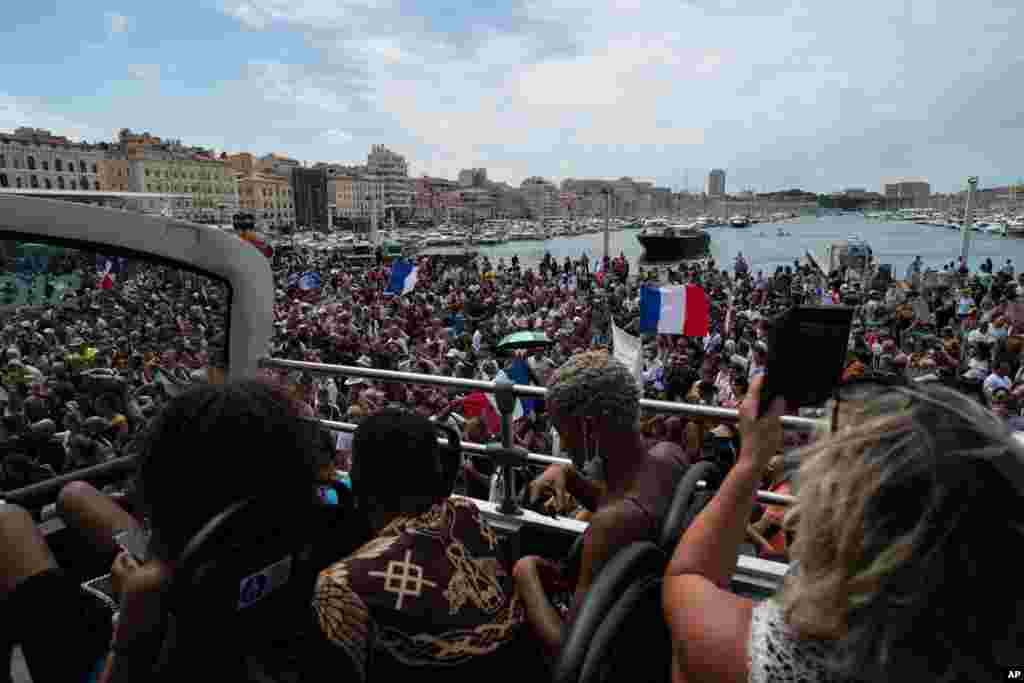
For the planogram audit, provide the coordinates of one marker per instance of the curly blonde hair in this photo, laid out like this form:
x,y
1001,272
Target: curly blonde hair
x,y
901,527
593,384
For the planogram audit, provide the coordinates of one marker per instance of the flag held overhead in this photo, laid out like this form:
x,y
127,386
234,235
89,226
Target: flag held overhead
x,y
681,310
403,277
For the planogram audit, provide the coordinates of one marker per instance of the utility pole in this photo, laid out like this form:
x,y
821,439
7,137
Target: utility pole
x,y
965,237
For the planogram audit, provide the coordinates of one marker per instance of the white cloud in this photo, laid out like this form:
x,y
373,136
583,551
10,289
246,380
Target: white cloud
x,y
118,23
767,88
22,111
337,136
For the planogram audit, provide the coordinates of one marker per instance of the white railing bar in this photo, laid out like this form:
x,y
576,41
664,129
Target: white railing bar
x,y
468,446
528,391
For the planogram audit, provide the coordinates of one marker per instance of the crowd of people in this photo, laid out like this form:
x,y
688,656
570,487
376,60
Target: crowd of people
x,y
123,366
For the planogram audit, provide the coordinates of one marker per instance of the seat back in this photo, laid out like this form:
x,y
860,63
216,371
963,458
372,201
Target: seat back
x,y
679,516
619,621
242,587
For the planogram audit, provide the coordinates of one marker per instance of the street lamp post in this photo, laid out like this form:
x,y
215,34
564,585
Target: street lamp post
x,y
965,238
607,192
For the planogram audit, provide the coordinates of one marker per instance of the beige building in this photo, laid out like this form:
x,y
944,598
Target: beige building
x,y
268,198
115,175
341,196
35,158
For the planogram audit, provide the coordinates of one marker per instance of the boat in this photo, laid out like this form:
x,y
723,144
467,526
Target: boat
x,y
739,222
674,242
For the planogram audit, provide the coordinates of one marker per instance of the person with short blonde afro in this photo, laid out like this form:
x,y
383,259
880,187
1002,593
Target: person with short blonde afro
x,y
593,384
594,404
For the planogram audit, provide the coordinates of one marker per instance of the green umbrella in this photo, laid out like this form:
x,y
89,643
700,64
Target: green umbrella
x,y
524,340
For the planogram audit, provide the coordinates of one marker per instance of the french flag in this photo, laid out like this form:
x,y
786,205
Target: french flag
x,y
403,277
681,310
107,277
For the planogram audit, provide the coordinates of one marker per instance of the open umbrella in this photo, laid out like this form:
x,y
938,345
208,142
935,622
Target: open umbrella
x,y
524,340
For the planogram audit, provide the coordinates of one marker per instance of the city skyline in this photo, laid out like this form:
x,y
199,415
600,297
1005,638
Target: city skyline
x,y
530,89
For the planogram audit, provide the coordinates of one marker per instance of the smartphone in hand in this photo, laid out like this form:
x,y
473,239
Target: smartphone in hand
x,y
807,348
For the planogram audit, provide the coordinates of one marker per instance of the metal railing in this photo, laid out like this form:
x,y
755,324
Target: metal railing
x,y
506,394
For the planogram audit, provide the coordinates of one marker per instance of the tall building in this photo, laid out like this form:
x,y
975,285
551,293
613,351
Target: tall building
x,y
473,177
392,171
309,186
716,183
36,158
541,198
906,193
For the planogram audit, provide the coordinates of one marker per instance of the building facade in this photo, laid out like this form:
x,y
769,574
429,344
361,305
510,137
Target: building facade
x,y
309,187
716,183
473,177
540,197
114,175
392,171
33,158
211,183
341,197
906,194
269,198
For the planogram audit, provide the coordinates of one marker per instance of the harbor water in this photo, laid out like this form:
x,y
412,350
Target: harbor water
x,y
895,243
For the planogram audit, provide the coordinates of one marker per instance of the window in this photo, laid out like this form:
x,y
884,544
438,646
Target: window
x,y
73,186
3,180
82,168
17,162
34,181
85,183
95,185
94,168
46,165
60,181
31,163
49,185
17,181
147,172
3,161
58,165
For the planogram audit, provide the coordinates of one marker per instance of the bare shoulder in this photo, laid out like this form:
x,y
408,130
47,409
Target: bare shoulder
x,y
710,628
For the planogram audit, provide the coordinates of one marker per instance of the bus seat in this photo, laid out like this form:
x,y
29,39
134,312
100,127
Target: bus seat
x,y
240,601
620,632
687,501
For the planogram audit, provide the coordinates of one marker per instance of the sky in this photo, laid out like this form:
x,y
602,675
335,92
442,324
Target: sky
x,y
817,94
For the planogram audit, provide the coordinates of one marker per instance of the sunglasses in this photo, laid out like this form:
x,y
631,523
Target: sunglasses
x,y
887,394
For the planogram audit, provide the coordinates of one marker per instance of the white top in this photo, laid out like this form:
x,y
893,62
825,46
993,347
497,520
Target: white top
x,y
776,655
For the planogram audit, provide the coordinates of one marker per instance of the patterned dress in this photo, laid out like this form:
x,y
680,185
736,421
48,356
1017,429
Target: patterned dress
x,y
429,594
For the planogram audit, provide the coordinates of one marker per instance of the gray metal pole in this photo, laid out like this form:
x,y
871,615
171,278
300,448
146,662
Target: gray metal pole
x,y
506,400
965,229
607,225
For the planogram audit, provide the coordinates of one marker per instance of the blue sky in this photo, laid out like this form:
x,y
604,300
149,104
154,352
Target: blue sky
x,y
811,93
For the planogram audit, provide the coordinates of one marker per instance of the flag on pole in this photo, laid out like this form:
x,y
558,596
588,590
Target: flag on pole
x,y
628,350
403,277
681,310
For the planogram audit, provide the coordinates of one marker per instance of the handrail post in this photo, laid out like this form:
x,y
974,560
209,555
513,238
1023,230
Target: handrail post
x,y
506,400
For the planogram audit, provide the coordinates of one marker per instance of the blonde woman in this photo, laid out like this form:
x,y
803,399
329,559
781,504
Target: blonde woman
x,y
902,524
